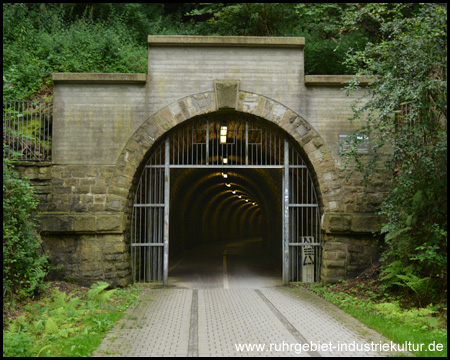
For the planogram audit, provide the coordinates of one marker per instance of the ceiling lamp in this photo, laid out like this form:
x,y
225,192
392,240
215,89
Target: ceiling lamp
x,y
223,134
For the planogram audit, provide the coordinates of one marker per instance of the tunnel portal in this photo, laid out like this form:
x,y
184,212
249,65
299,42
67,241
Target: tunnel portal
x,y
225,177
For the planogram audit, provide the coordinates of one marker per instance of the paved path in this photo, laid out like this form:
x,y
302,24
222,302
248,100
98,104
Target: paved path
x,y
231,316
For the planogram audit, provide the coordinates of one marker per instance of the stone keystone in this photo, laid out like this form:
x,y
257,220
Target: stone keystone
x,y
226,94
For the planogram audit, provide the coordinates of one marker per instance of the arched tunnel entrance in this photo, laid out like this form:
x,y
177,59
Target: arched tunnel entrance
x,y
224,181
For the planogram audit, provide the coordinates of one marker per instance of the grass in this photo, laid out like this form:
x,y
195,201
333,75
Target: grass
x,y
71,323
412,327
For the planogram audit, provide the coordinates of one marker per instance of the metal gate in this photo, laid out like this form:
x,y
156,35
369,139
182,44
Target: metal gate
x,y
231,144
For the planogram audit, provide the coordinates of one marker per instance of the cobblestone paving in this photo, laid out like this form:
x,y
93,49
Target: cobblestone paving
x,y
274,321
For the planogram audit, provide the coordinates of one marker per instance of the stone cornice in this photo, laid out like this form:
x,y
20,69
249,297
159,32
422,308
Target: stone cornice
x,y
224,41
99,78
333,80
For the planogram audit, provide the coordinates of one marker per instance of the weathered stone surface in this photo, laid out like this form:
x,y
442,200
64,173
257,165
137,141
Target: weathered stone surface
x,y
89,258
226,93
109,222
82,222
337,223
364,223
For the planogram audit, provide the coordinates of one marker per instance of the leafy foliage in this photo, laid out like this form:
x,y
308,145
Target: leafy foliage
x,y
53,45
244,19
419,317
67,325
24,264
406,117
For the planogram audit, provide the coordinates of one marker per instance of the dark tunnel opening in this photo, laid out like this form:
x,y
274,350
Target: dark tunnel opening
x,y
218,205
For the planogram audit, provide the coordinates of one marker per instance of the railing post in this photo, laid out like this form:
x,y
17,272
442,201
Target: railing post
x,y
285,222
166,212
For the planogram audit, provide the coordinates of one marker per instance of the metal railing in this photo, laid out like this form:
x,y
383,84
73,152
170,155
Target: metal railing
x,y
27,129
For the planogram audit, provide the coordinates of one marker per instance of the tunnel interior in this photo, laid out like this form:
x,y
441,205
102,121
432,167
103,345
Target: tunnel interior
x,y
225,205
219,178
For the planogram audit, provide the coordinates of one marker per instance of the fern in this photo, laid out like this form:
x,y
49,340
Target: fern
x,y
421,317
59,320
51,327
96,290
416,284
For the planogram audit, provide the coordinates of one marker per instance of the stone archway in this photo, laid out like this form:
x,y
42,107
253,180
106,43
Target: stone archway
x,y
132,158
309,140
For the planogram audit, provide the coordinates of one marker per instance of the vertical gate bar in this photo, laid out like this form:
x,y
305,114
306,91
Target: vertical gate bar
x,y
302,171
133,234
280,154
286,213
37,127
261,149
138,269
236,143
219,148
319,248
16,126
239,148
42,128
44,124
214,154
36,144
28,123
265,144
207,142
246,142
166,215
191,145
48,129
23,122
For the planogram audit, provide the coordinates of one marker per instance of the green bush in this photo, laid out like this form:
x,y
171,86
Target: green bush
x,y
24,263
17,345
53,44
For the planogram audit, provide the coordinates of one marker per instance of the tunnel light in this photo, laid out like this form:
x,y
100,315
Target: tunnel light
x,y
228,185
246,200
225,175
240,196
225,161
254,203
223,134
234,191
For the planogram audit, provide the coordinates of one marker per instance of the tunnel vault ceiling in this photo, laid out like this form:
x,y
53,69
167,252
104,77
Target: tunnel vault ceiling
x,y
200,198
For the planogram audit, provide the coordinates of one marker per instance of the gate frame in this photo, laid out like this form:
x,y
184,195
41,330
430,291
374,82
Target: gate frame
x,y
287,243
